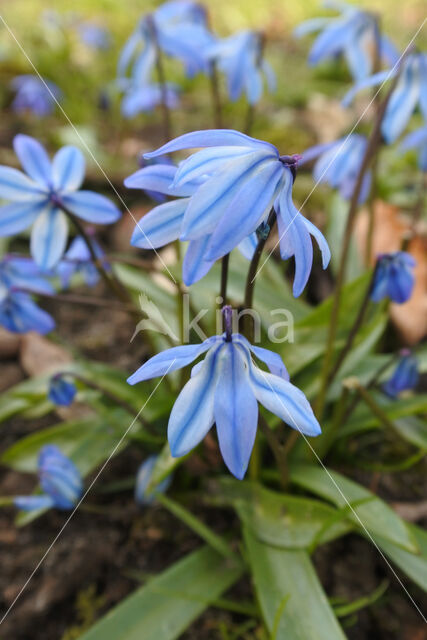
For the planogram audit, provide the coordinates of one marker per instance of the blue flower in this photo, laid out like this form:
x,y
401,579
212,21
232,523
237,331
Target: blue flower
x,y
224,389
163,224
352,34
239,57
417,140
181,32
94,36
405,376
394,277
240,179
410,91
146,97
36,198
32,95
339,164
158,196
18,312
61,392
79,260
59,479
143,479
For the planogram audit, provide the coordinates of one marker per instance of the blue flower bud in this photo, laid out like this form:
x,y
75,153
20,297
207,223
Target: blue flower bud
x,y
143,479
404,377
394,277
61,392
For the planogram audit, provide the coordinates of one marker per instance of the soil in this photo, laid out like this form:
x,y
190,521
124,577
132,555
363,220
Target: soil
x,y
92,565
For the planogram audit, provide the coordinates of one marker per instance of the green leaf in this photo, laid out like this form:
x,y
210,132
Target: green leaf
x,y
415,566
164,466
284,520
374,514
413,430
292,600
337,221
348,609
164,607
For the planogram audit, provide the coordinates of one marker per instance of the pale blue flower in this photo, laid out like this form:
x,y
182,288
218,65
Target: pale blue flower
x,y
61,391
34,94
225,389
405,376
59,479
146,97
394,277
410,92
19,273
240,58
163,224
240,179
36,198
417,140
78,259
352,34
94,36
339,164
143,479
181,32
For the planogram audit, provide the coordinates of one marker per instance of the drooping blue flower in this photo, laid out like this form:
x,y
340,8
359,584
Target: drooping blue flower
x,y
158,196
163,224
143,479
410,92
18,312
240,58
36,198
61,391
405,376
339,164
79,260
33,95
60,481
239,180
94,36
146,97
225,389
352,34
181,31
394,277
417,140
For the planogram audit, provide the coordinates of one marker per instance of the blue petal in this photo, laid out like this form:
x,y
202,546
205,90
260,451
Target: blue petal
x,y
247,210
402,103
92,207
285,400
23,273
316,150
414,139
389,53
48,238
207,162
17,216
321,241
333,39
68,169
211,138
128,51
214,197
19,314
273,361
372,81
294,238
358,56
193,412
400,284
33,503
34,159
195,265
170,360
235,411
308,26
160,226
423,85
159,177
248,245
16,186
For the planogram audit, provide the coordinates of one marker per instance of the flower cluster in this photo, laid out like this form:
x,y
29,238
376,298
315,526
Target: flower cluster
x,y
35,95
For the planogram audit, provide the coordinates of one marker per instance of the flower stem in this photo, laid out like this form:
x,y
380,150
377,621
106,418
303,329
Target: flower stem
x,y
167,129
374,142
216,96
76,299
252,273
224,278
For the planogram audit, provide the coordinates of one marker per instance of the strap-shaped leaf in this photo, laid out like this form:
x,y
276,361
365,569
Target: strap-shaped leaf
x,y
415,566
367,510
166,605
292,600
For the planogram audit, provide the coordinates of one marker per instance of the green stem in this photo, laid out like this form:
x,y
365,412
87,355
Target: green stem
x,y
224,278
371,148
216,96
167,129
